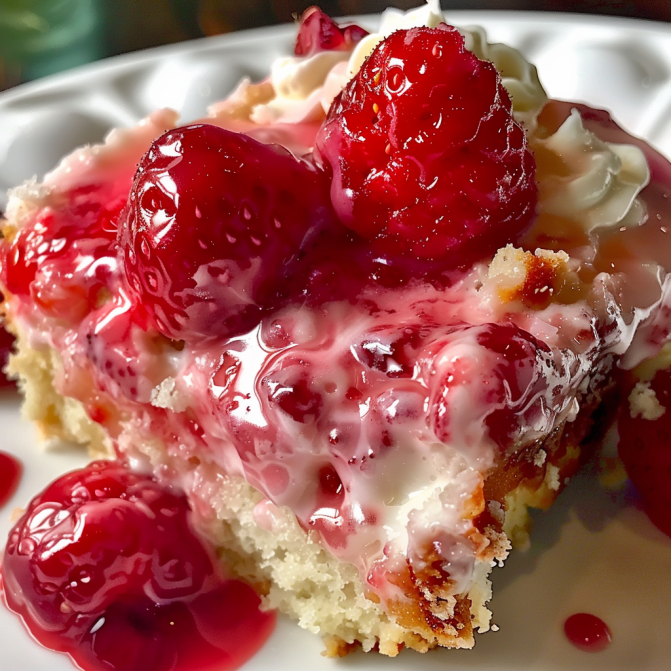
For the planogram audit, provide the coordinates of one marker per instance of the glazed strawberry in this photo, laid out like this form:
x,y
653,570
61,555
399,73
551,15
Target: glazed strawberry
x,y
78,232
427,160
319,32
104,556
645,449
504,370
215,223
95,535
98,537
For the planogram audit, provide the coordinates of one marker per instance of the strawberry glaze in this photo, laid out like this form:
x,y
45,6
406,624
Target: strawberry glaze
x,y
10,476
104,556
587,632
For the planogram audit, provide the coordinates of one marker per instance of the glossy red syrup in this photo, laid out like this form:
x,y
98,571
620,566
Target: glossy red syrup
x,y
10,475
105,567
219,631
6,343
587,632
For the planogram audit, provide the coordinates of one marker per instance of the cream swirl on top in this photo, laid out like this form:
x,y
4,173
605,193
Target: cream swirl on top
x,y
601,180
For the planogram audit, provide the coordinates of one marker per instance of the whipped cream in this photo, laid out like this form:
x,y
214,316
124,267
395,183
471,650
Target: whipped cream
x,y
429,16
299,84
601,183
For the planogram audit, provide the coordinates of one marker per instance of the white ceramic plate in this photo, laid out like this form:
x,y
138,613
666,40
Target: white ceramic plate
x,y
593,551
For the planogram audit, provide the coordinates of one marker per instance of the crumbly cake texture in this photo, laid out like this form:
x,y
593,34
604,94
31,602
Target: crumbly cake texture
x,y
290,568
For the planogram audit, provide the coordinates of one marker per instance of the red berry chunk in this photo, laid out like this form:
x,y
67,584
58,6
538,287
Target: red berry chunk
x,y
318,32
427,160
216,222
645,449
511,376
104,565
38,261
95,536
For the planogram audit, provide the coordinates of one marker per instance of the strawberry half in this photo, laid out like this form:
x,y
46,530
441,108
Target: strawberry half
x,y
426,157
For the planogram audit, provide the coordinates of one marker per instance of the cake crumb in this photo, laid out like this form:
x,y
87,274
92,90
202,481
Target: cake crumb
x,y
167,395
496,511
24,201
540,458
643,402
552,477
533,279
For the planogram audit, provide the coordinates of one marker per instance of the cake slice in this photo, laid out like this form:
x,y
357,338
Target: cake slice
x,y
365,354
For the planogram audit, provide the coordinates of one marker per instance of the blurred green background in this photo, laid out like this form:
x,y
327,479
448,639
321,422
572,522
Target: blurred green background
x,y
40,37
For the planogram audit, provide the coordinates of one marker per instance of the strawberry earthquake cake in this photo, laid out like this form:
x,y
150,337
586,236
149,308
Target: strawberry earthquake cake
x,y
348,329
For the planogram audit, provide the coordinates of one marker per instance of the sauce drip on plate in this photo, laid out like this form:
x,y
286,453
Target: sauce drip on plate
x,y
587,632
10,475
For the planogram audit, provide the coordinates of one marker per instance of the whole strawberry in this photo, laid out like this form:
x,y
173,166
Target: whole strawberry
x,y
645,446
426,157
214,225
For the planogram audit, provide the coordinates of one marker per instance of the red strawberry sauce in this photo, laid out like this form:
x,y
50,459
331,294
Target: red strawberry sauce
x,y
10,475
105,567
219,631
587,632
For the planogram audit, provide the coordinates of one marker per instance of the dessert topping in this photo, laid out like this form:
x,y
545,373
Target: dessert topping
x,y
426,158
104,555
79,234
319,32
216,221
603,180
495,376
